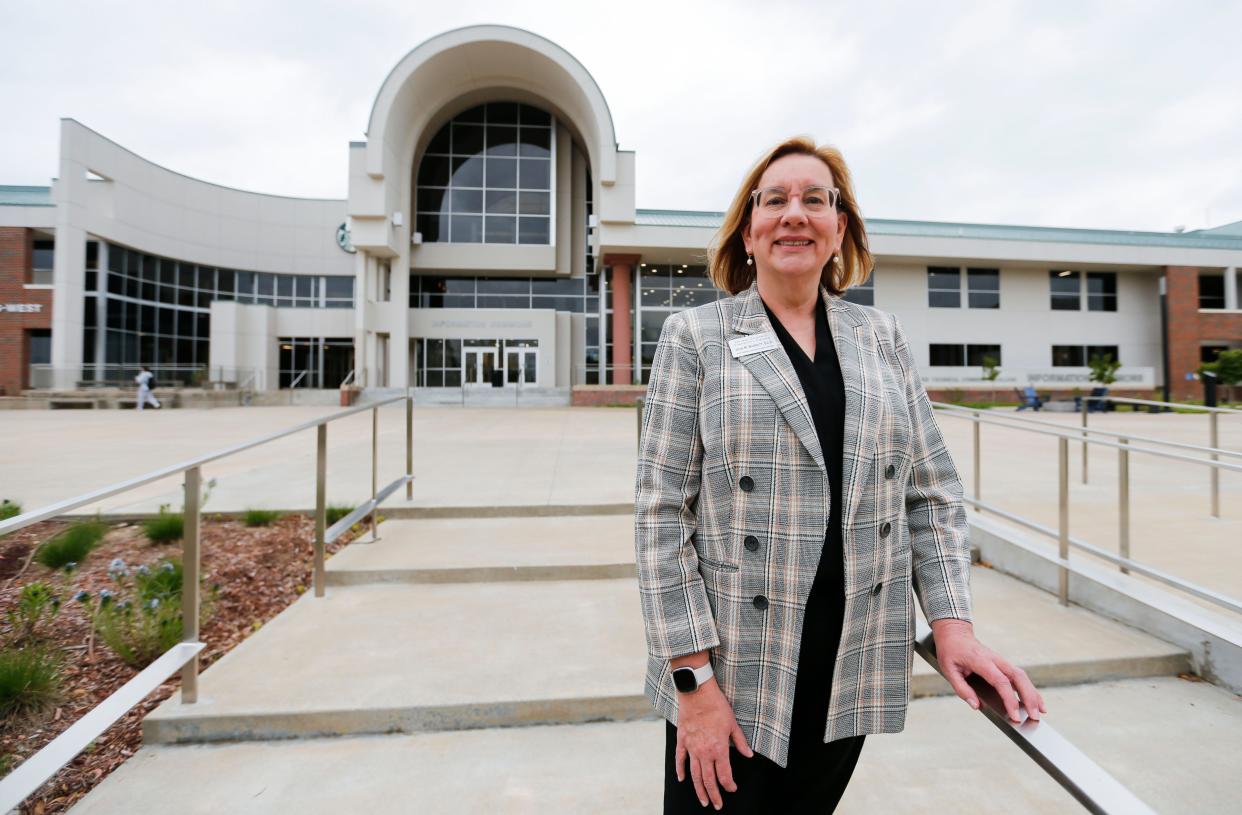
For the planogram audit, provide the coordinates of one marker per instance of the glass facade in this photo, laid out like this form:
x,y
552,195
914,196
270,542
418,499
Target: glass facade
x,y
315,362
487,177
157,310
452,363
573,294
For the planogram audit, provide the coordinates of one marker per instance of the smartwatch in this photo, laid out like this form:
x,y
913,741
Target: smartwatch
x,y
687,680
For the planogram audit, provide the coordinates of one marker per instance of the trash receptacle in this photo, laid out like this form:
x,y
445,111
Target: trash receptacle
x,y
1209,389
498,378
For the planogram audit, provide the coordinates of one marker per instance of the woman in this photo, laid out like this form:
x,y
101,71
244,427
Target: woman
x,y
792,484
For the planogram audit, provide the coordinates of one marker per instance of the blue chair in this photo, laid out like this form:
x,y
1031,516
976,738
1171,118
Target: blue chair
x,y
1029,398
1094,405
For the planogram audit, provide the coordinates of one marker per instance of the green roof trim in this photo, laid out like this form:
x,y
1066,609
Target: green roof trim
x,y
1202,239
11,196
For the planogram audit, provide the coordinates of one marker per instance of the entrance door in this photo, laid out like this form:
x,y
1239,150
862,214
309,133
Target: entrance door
x,y
521,366
479,364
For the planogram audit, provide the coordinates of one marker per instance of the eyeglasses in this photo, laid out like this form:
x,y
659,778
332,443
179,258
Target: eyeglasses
x,y
815,199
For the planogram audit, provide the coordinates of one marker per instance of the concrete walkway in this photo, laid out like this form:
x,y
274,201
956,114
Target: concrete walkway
x,y
430,689
481,459
1174,743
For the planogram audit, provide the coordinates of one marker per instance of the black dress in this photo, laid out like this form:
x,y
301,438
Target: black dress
x,y
816,773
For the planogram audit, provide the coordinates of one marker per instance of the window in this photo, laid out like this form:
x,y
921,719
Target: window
x,y
959,355
983,288
944,287
1211,291
947,355
1067,356
383,282
1101,291
863,294
1078,356
487,178
1066,290
315,362
42,255
975,354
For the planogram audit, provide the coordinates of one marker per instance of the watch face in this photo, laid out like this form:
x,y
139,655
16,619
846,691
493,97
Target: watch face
x,y
684,681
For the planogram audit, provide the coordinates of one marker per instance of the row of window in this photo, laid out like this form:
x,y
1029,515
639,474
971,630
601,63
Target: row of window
x,y
487,177
967,354
315,362
154,279
982,289
577,295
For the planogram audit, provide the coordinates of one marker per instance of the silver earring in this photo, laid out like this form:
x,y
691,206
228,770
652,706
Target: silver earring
x,y
749,259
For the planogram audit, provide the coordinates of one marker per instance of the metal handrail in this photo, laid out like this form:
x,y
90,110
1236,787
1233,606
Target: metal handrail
x,y
33,772
1150,439
52,510
1090,784
1178,405
1124,449
298,378
1125,563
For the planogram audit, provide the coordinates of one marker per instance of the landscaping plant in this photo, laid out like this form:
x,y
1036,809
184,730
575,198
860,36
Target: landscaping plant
x,y
170,526
36,603
260,517
71,545
30,684
142,618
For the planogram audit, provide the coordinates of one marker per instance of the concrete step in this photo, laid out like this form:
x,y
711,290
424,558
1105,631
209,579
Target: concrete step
x,y
1174,743
401,657
463,550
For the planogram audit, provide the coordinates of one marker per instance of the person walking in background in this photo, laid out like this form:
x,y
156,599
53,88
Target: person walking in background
x,y
146,381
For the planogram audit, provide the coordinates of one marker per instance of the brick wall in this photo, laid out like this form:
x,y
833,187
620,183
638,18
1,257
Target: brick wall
x,y
1188,329
15,253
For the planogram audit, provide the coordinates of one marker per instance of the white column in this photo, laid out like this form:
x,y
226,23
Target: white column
x,y
1231,288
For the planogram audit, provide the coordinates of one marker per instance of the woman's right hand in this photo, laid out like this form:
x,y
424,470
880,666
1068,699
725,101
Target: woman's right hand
x,y
705,727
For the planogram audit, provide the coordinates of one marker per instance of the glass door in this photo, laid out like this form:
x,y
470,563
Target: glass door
x,y
479,364
521,366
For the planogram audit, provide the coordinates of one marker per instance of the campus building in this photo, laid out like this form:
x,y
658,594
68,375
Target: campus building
x,y
490,238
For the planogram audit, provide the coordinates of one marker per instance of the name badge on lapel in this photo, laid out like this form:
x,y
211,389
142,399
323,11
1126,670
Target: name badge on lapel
x,y
754,344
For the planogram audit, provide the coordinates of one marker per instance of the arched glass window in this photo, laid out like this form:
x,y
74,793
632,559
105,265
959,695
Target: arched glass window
x,y
487,178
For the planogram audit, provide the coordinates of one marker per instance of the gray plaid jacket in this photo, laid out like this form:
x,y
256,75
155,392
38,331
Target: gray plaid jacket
x,y
728,451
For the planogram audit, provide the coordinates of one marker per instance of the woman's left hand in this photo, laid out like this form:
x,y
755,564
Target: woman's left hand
x,y
961,655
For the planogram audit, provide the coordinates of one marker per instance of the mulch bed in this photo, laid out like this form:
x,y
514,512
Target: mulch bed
x,y
259,570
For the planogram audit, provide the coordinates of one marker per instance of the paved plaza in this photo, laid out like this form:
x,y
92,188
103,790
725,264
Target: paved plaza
x,y
517,641
485,457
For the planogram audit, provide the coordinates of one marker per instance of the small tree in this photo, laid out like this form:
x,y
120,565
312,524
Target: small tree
x,y
991,368
1228,369
1103,368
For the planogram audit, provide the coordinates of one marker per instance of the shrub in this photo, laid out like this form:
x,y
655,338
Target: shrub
x,y
259,517
71,545
29,683
36,602
165,527
336,512
9,509
142,619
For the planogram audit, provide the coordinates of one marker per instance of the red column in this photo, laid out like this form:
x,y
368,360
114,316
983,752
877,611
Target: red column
x,y
621,333
1183,303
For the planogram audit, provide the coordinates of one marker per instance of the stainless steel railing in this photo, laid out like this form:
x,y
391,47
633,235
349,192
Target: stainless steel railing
x,y
1062,534
1097,790
25,779
1213,435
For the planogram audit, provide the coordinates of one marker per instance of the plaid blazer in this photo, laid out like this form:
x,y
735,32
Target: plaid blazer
x,y
728,451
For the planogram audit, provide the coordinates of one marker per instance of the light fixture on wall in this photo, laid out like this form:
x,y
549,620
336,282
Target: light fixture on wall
x,y
416,239
398,218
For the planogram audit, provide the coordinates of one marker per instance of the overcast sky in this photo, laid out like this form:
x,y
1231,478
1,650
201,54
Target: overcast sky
x,y
1120,115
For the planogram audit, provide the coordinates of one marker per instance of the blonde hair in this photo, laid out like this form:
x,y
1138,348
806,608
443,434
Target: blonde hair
x,y
726,253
